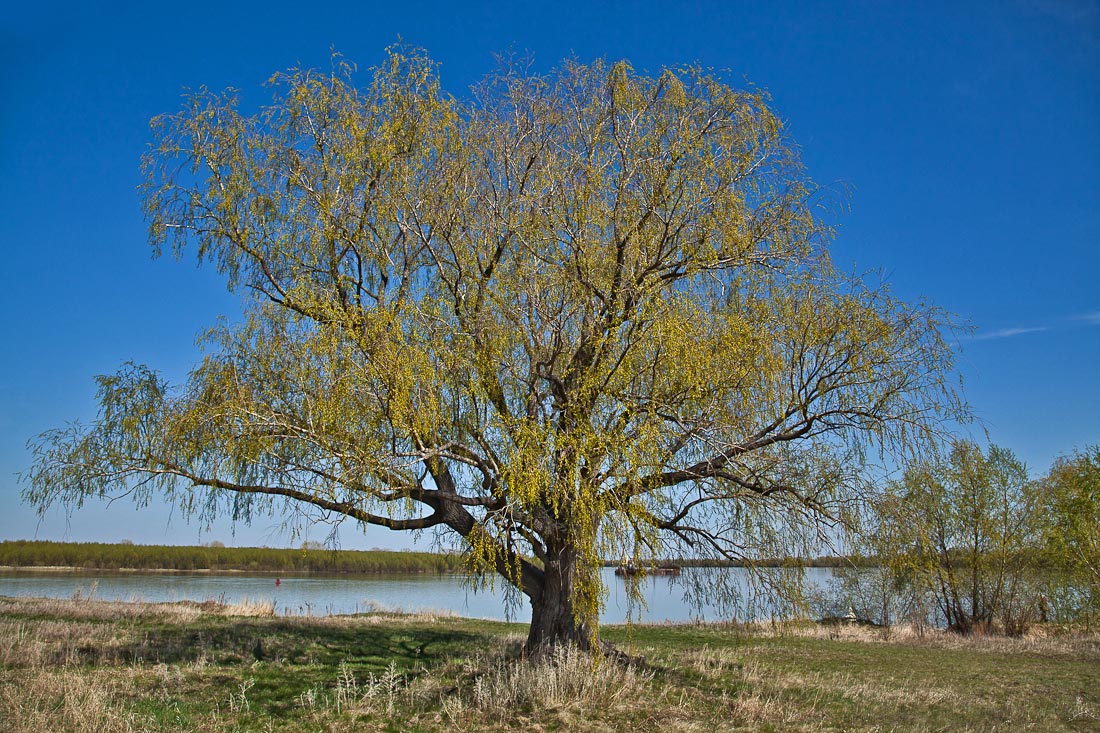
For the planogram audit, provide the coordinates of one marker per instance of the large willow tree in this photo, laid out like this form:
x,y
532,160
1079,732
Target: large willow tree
x,y
575,316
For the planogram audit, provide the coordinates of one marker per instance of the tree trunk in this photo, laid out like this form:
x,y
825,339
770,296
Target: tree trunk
x,y
553,618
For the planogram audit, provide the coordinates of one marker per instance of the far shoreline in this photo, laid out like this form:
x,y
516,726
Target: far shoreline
x,y
59,558
14,570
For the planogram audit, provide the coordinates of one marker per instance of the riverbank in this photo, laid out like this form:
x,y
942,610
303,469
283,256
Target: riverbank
x,y
74,557
33,570
45,556
105,667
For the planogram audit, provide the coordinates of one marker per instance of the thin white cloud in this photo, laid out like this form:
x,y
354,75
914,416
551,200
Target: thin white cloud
x,y
1082,320
1005,333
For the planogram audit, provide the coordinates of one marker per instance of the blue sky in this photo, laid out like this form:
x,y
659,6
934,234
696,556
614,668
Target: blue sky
x,y
967,136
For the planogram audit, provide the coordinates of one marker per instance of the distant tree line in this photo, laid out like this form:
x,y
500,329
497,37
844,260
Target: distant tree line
x,y
821,561
105,556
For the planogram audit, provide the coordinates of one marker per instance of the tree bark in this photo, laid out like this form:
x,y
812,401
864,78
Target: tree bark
x,y
554,621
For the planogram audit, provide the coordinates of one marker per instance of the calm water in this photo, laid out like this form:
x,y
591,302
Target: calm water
x,y
324,596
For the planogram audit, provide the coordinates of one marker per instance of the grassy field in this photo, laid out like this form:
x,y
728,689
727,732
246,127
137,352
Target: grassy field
x,y
104,667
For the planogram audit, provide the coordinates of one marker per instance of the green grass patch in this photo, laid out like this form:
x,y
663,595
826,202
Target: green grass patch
x,y
99,666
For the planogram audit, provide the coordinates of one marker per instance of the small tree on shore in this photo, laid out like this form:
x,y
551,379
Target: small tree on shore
x,y
1069,496
582,315
967,528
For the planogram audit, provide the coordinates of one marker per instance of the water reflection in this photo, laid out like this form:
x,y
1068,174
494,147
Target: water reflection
x,y
323,596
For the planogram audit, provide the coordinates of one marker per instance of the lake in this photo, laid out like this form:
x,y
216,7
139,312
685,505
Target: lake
x,y
324,596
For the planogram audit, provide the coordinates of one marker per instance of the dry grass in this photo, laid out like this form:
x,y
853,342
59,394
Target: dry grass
x,y
83,608
374,608
485,692
67,700
1039,640
51,643
249,607
564,678
1016,683
564,690
80,665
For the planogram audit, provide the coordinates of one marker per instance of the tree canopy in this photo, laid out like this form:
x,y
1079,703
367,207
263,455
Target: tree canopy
x,y
576,315
965,527
1070,499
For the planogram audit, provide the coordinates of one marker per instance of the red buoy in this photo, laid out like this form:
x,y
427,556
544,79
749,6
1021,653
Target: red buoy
x,y
278,582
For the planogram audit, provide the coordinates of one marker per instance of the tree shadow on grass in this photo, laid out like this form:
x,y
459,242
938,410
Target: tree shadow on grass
x,y
369,647
282,658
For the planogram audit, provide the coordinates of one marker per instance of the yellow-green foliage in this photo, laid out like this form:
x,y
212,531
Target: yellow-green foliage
x,y
578,315
1070,495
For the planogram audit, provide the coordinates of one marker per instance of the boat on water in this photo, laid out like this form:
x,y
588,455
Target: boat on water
x,y
667,569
